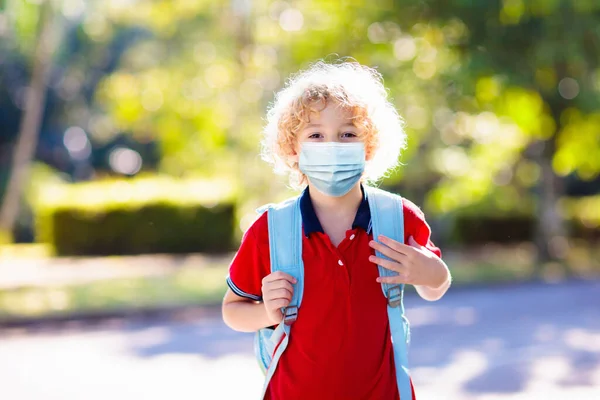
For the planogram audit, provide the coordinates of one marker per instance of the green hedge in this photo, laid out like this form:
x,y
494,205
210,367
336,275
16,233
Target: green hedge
x,y
138,216
473,226
584,214
477,230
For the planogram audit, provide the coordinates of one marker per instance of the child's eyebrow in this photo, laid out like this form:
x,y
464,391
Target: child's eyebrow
x,y
308,126
312,126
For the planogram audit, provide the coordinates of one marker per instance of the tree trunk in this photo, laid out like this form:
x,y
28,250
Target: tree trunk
x,y
550,233
27,138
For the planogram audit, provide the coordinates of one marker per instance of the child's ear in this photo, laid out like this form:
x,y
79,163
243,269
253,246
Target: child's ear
x,y
368,153
295,155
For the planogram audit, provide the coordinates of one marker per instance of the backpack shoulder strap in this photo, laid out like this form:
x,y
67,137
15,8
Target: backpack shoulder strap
x,y
285,243
387,219
285,249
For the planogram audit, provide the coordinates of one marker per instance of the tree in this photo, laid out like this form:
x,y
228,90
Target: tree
x,y
31,121
535,63
212,71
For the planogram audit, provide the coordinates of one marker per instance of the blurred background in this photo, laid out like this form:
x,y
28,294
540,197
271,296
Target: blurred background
x,y
130,168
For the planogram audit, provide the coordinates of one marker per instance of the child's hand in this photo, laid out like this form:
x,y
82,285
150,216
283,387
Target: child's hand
x,y
277,293
415,264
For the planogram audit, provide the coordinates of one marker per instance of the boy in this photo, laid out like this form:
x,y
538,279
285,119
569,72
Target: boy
x,y
332,129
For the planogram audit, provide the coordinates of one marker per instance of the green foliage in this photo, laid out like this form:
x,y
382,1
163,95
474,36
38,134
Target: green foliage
x,y
585,209
584,214
25,16
139,216
528,77
481,84
578,145
201,83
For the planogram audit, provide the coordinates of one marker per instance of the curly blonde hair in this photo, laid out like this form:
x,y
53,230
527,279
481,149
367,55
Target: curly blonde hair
x,y
354,87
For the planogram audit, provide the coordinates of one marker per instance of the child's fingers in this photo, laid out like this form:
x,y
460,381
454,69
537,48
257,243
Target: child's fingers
x,y
277,304
279,275
394,280
274,294
279,284
387,264
282,284
387,251
399,247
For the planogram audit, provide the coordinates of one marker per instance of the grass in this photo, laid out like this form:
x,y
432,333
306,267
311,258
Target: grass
x,y
488,273
14,251
187,286
184,287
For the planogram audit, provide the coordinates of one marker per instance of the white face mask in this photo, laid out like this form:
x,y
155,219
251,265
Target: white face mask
x,y
333,168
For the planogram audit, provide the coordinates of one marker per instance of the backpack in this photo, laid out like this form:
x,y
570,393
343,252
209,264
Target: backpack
x,y
285,244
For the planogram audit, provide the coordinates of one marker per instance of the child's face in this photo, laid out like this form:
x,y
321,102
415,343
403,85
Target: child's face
x,y
332,124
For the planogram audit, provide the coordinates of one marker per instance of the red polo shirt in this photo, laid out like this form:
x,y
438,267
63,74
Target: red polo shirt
x,y
340,346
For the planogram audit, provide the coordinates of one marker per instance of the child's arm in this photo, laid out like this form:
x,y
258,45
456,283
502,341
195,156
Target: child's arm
x,y
244,315
433,293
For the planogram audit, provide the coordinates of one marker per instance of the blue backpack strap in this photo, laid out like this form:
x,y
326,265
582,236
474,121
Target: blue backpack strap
x,y
285,248
387,219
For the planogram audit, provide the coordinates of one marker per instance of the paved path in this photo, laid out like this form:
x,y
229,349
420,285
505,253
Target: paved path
x,y
522,342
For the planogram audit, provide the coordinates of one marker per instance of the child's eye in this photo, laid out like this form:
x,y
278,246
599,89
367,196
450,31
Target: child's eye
x,y
315,135
349,135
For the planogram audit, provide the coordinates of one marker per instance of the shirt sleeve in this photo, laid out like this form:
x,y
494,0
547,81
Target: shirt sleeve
x,y
416,226
251,263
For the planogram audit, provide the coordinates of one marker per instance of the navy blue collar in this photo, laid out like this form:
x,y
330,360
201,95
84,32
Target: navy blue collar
x,y
311,223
